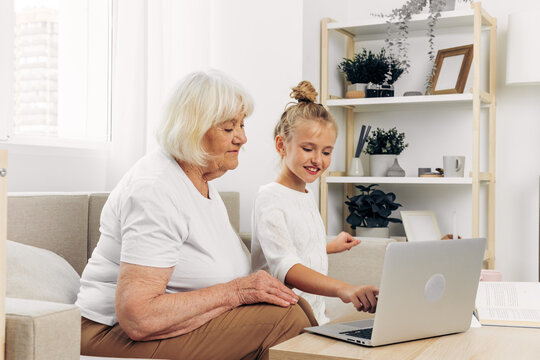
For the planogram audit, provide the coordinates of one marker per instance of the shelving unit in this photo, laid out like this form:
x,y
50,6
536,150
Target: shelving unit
x,y
477,19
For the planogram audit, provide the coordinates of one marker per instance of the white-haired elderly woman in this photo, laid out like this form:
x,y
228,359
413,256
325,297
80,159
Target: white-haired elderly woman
x,y
168,278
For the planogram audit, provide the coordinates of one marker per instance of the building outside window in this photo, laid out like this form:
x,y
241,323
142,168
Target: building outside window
x,y
59,56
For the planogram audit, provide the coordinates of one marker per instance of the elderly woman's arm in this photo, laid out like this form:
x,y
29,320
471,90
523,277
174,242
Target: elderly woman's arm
x,y
146,312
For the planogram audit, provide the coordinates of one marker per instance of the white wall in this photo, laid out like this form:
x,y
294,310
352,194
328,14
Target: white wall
x,y
259,44
44,168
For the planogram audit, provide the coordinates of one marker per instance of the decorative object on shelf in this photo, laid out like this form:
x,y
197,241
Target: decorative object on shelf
x,y
368,68
454,166
452,69
420,225
422,171
426,172
521,53
371,209
395,170
355,167
397,32
412,93
384,146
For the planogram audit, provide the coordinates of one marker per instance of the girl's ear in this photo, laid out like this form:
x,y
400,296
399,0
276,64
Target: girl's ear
x,y
280,145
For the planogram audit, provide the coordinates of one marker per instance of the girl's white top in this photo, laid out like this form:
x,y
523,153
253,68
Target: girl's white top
x,y
288,230
156,217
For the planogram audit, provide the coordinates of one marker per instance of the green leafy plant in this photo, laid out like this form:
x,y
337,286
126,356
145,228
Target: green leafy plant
x,y
371,208
366,67
386,142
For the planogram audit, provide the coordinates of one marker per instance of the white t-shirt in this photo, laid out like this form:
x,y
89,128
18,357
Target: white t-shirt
x,y
288,230
156,217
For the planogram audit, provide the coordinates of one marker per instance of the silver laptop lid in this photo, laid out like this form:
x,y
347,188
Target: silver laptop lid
x,y
427,289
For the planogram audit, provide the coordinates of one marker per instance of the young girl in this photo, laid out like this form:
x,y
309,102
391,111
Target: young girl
x,y
288,233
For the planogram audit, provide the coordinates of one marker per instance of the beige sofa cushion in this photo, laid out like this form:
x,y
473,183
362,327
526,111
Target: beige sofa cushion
x,y
56,222
95,205
34,273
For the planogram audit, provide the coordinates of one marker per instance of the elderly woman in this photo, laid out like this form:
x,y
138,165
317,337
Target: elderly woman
x,y
169,278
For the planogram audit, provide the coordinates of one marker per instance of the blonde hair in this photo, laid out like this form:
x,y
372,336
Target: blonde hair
x,y
304,109
200,101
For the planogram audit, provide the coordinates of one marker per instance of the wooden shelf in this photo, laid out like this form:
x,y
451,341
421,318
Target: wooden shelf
x,y
398,180
399,103
376,27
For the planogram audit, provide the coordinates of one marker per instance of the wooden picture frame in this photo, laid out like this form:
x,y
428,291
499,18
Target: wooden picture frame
x,y
420,225
452,69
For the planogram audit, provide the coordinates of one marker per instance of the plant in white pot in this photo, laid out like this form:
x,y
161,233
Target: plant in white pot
x,y
369,211
368,67
383,148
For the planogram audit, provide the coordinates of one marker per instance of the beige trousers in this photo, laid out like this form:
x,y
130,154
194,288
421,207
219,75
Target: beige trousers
x,y
246,332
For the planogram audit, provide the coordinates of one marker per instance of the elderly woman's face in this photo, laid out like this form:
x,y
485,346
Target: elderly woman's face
x,y
223,143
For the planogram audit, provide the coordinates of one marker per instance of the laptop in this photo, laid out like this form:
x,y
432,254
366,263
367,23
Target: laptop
x,y
427,289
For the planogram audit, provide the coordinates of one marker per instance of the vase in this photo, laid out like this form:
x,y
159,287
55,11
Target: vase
x,y
378,232
380,163
355,167
395,170
355,91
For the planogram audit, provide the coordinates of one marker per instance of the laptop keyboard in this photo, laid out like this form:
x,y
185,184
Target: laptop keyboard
x,y
361,333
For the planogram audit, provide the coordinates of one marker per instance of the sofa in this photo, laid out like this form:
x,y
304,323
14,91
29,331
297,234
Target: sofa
x,y
50,238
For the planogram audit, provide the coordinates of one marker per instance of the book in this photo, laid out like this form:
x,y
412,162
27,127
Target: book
x,y
508,304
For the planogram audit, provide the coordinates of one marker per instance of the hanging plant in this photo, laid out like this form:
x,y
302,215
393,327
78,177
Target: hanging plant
x,y
397,31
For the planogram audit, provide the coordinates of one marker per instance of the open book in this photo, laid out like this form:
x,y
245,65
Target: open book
x,y
508,303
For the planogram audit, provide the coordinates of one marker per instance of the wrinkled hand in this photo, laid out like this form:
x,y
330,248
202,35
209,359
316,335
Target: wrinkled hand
x,y
262,287
364,298
344,241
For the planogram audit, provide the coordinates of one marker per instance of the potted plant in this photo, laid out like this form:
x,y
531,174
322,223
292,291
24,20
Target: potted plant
x,y
398,29
369,211
384,147
368,67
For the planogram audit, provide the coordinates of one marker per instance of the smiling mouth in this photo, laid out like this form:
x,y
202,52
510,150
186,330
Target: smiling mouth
x,y
312,170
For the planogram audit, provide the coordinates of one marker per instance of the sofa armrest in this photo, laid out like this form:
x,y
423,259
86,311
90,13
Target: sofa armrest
x,y
42,330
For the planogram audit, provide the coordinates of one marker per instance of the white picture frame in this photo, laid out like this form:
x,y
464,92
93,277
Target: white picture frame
x,y
420,225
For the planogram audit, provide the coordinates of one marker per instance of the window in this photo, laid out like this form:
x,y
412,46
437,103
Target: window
x,y
57,55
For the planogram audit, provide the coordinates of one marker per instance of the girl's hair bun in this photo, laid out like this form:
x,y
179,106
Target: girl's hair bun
x,y
304,92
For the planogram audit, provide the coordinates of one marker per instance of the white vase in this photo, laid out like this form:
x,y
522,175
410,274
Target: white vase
x,y
380,163
378,232
355,167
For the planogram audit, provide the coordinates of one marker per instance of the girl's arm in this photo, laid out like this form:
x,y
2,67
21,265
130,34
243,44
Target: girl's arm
x,y
344,241
146,312
364,298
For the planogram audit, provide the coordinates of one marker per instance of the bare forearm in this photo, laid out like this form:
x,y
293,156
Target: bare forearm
x,y
313,282
146,312
181,313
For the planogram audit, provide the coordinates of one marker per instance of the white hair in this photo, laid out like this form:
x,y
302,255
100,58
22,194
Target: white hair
x,y
200,101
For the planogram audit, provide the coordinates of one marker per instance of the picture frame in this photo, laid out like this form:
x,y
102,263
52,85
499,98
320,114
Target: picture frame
x,y
452,70
420,225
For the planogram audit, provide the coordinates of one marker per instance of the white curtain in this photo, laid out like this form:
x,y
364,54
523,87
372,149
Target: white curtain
x,y
154,44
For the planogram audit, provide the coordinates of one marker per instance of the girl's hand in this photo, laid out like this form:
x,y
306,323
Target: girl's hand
x,y
344,241
364,298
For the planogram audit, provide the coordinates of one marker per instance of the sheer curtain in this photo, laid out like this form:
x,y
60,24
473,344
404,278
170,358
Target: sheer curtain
x,y
154,44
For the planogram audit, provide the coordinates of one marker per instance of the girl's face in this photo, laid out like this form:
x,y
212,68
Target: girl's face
x,y
307,153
